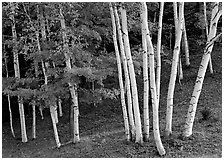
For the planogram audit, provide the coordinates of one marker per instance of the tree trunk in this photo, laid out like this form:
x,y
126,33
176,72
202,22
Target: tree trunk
x,y
216,13
206,29
119,67
9,103
169,111
72,87
126,73
132,76
158,56
186,48
60,107
52,111
156,132
34,121
17,74
144,18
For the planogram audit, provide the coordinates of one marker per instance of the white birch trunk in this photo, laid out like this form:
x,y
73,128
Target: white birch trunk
x,y
216,13
169,111
186,47
72,88
9,103
158,56
56,113
119,67
10,114
52,111
176,19
34,121
17,74
155,106
144,18
132,77
126,73
206,29
60,107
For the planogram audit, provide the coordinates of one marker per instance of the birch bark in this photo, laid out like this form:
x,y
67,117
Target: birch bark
x,y
216,13
158,56
126,73
144,18
119,67
132,76
206,29
156,132
169,111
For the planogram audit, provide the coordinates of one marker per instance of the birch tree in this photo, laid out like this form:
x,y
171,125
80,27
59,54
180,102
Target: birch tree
x,y
158,56
9,102
74,113
138,125
216,13
179,67
169,111
126,73
17,72
156,132
144,18
206,31
186,47
119,67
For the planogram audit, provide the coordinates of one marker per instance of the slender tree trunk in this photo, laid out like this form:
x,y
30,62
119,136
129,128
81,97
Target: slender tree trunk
x,y
169,112
216,13
186,47
144,18
123,104
9,103
72,87
176,19
60,107
17,74
132,77
206,29
52,111
56,113
158,56
126,73
34,121
156,132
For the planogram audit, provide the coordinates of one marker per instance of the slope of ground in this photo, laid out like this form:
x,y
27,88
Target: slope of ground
x,y
102,132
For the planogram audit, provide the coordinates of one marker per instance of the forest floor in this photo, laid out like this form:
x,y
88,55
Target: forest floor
x,y
102,132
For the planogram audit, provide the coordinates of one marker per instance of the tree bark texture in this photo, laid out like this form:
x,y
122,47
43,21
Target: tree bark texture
x,y
138,125
156,132
206,31
216,13
119,67
144,18
126,73
158,55
169,111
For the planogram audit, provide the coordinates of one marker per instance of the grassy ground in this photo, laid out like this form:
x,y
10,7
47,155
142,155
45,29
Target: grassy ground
x,y
102,132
